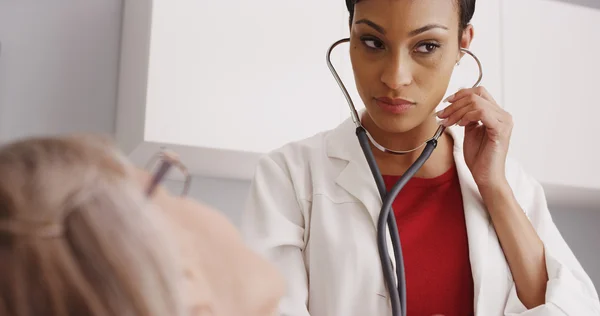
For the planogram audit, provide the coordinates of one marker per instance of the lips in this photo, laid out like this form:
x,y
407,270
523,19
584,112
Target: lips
x,y
394,106
397,101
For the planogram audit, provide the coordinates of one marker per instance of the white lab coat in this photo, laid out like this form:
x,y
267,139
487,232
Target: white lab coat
x,y
313,208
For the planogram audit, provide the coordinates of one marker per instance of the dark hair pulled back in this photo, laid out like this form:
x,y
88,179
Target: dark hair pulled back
x,y
466,11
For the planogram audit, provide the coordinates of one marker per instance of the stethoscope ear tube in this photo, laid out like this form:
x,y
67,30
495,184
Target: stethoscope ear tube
x,y
386,216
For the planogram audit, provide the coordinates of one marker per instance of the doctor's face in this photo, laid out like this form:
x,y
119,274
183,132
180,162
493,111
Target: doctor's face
x,y
403,53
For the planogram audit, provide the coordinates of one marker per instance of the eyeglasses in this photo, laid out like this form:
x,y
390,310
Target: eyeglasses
x,y
159,166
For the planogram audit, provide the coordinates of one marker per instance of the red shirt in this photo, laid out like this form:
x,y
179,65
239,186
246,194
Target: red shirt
x,y
431,222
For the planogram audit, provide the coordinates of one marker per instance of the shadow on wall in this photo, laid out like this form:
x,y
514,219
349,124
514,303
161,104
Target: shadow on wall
x,y
228,196
579,227
594,4
58,67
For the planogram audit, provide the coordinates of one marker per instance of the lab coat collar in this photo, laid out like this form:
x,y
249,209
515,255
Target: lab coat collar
x,y
357,180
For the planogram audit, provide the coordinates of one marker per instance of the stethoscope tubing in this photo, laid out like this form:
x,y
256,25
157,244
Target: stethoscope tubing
x,y
397,291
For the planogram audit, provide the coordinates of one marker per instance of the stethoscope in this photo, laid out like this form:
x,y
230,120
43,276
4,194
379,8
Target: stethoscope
x,y
397,293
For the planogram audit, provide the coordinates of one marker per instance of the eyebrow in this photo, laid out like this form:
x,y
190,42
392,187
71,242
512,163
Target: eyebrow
x,y
426,28
418,31
372,24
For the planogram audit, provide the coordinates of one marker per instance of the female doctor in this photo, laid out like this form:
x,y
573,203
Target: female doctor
x,y
477,236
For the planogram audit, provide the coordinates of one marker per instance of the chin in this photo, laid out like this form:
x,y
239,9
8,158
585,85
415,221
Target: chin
x,y
395,123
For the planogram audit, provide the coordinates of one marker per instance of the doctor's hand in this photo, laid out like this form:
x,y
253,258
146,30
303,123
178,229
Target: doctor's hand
x,y
488,130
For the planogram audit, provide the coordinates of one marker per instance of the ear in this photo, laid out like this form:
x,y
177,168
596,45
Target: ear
x,y
466,39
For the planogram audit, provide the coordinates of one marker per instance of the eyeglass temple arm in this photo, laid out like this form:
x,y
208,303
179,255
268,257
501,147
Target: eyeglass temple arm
x,y
158,176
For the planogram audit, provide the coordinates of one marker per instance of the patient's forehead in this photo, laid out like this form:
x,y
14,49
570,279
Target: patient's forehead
x,y
212,254
142,176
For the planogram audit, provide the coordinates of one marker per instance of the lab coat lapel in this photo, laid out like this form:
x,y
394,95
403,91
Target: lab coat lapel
x,y
362,186
476,217
356,177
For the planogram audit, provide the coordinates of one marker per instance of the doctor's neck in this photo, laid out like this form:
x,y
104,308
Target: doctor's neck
x,y
441,159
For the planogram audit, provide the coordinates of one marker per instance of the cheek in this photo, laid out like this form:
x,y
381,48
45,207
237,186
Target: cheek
x,y
434,77
365,72
437,67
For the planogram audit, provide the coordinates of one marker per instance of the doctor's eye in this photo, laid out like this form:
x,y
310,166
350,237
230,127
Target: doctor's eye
x,y
427,48
372,42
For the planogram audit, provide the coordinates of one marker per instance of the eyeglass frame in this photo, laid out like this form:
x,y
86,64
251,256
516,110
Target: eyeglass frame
x,y
167,160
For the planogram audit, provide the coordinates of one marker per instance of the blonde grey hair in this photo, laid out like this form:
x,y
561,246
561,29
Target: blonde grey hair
x,y
77,236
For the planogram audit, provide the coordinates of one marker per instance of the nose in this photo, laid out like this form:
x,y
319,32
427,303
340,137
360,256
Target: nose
x,y
397,73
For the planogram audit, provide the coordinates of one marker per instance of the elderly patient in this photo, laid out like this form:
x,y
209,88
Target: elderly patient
x,y
79,236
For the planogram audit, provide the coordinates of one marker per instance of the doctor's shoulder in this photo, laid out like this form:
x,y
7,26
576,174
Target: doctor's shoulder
x,y
527,189
298,161
285,180
277,205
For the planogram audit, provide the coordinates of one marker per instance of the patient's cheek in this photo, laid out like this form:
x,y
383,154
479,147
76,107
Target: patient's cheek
x,y
266,284
221,274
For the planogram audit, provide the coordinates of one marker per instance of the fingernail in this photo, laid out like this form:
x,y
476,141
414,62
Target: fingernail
x,y
438,113
449,98
444,122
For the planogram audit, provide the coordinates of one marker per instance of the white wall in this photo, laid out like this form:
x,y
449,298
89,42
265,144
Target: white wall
x,y
199,75
59,59
550,88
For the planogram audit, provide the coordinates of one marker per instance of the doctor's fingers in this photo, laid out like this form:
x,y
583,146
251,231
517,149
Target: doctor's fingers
x,y
465,104
466,100
480,91
474,109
